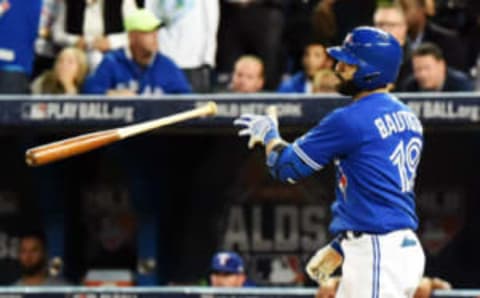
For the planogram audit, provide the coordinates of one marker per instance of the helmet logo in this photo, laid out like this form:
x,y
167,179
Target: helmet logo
x,y
371,76
348,39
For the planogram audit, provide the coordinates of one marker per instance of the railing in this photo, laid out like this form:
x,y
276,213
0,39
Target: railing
x,y
460,109
180,292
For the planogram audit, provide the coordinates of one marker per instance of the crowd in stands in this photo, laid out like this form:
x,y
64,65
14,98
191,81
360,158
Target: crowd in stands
x,y
131,47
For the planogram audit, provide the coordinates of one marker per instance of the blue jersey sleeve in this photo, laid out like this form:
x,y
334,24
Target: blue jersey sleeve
x,y
335,136
177,82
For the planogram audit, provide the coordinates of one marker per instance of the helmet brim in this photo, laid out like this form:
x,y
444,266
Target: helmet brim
x,y
343,55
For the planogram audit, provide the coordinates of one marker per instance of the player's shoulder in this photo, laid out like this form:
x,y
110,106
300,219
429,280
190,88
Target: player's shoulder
x,y
338,119
378,101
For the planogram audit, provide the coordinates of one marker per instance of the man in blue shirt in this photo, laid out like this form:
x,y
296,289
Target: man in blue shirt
x,y
140,68
432,74
18,29
375,144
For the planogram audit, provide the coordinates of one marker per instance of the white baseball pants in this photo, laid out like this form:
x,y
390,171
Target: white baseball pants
x,y
381,266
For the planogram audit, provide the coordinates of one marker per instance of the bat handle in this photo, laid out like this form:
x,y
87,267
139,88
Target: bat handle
x,y
272,111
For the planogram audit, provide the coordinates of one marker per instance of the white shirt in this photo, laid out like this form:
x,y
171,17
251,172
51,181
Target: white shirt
x,y
92,28
190,35
92,25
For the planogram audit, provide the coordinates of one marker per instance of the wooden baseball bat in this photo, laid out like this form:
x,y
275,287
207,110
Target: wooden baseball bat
x,y
66,148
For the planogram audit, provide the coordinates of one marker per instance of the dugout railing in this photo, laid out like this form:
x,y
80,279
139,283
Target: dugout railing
x,y
295,109
181,292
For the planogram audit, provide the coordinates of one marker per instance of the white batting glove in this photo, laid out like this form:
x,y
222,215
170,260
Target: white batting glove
x,y
325,261
261,128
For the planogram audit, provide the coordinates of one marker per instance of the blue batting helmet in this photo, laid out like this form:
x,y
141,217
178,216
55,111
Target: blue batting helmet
x,y
376,53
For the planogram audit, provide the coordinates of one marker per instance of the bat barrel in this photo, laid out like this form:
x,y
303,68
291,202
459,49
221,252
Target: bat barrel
x,y
73,146
77,145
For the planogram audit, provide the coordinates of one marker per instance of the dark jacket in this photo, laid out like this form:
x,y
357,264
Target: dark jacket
x,y
453,48
455,81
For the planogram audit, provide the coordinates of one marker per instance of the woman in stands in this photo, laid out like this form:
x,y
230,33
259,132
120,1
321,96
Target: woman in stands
x,y
66,77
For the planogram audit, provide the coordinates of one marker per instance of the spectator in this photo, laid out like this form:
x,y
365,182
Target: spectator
x,y
18,30
251,27
139,68
67,75
334,19
92,25
421,30
227,270
248,75
325,81
391,19
189,37
431,73
424,290
315,58
324,22
298,31
33,262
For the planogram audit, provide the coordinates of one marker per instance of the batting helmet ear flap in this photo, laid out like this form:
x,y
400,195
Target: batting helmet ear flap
x,y
376,53
372,76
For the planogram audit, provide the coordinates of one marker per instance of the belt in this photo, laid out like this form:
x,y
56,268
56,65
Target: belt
x,y
349,235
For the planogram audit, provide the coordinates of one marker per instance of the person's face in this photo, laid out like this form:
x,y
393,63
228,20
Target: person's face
x,y
144,45
392,21
227,280
345,72
247,77
67,64
315,58
31,255
429,72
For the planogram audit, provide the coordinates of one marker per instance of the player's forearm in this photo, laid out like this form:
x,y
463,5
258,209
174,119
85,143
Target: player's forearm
x,y
274,142
283,163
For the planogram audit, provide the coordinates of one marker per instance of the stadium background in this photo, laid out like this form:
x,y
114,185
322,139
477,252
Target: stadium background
x,y
161,204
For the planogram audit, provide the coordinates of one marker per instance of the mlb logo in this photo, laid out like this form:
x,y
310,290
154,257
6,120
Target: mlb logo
x,y
35,111
348,39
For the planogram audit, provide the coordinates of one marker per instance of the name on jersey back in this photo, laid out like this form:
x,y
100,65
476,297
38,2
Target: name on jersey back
x,y
397,122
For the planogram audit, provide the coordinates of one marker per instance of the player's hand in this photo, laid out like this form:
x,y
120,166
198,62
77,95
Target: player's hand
x,y
260,128
325,261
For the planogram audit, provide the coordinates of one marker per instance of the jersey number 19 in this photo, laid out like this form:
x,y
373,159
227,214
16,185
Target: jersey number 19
x,y
406,159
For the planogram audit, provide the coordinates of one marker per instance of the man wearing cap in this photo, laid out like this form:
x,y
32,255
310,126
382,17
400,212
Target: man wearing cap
x,y
139,68
227,270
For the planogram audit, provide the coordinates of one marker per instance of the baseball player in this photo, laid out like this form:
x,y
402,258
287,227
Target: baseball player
x,y
375,143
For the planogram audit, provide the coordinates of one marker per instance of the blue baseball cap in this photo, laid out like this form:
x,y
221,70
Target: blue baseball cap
x,y
227,262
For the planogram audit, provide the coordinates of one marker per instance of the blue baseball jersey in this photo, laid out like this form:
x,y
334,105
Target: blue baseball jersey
x,y
296,84
118,71
376,144
19,21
